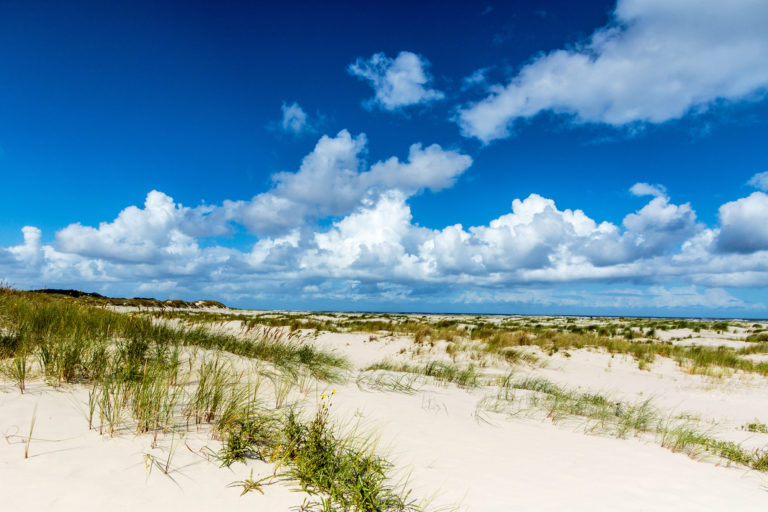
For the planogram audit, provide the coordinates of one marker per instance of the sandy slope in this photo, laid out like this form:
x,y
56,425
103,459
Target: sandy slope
x,y
72,468
522,464
481,462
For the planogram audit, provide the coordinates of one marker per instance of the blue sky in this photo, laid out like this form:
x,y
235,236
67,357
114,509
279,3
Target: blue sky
x,y
556,157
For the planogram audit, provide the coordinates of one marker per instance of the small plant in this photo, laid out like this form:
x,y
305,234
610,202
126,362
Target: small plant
x,y
249,484
348,474
757,427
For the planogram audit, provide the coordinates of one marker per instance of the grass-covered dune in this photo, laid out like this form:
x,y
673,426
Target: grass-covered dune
x,y
151,378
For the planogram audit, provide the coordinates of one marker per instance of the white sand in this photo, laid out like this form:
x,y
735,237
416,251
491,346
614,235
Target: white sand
x,y
481,462
72,468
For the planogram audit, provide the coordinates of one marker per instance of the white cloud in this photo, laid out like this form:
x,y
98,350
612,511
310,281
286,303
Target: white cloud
x,y
332,180
376,251
656,61
295,120
477,78
162,229
398,82
646,189
30,252
760,181
744,224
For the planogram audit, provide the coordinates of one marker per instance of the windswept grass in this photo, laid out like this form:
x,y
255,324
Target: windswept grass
x,y
379,380
440,371
603,415
341,472
69,338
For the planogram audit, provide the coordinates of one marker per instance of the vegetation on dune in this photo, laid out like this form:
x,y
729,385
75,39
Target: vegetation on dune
x,y
636,337
163,370
96,299
605,415
757,427
152,378
70,337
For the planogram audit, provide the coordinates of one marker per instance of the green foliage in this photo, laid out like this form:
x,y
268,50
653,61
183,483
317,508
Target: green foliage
x,y
347,473
67,335
756,426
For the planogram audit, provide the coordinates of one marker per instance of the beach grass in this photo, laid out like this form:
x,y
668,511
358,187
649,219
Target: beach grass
x,y
150,378
604,415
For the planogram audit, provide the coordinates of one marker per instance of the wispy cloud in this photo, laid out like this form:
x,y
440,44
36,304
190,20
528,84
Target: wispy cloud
x,y
759,181
646,189
295,121
397,83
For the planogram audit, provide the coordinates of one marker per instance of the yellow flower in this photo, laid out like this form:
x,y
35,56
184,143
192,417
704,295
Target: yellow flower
x,y
324,397
333,392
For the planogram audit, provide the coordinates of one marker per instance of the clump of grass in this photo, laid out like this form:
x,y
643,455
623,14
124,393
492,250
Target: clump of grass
x,y
348,474
384,381
208,397
422,335
17,370
344,473
442,372
756,426
684,438
249,484
282,385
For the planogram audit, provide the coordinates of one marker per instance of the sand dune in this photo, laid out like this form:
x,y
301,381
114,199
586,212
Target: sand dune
x,y
452,451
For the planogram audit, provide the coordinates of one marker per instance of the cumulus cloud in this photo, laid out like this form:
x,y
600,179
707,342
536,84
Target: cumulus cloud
x,y
397,83
161,229
295,121
760,181
744,224
332,180
371,248
656,61
30,252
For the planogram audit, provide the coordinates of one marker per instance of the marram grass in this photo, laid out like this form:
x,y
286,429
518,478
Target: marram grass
x,y
140,380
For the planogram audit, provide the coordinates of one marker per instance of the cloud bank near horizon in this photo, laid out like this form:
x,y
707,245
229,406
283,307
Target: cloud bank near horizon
x,y
373,250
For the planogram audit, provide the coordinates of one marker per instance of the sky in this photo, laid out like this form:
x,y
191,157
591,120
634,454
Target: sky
x,y
595,158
